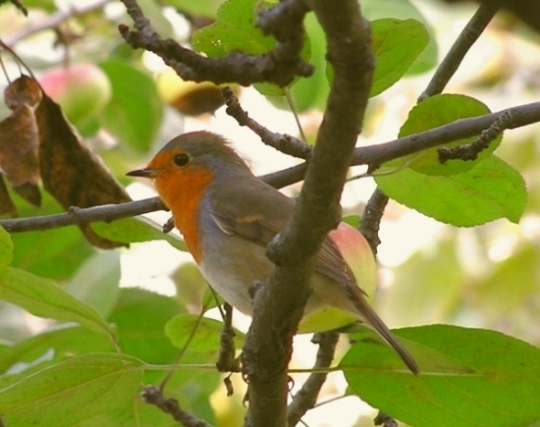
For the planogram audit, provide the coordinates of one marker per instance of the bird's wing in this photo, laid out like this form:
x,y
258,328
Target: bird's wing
x,y
259,218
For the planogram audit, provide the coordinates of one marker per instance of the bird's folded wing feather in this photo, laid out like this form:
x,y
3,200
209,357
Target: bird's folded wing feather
x,y
259,219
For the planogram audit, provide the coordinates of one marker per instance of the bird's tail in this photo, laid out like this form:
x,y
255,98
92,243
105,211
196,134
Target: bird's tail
x,y
371,318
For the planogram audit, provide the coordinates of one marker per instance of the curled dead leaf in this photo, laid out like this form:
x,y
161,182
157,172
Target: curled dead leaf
x,y
71,172
23,91
19,139
7,207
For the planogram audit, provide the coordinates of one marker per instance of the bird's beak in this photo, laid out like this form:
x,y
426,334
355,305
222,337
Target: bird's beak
x,y
144,173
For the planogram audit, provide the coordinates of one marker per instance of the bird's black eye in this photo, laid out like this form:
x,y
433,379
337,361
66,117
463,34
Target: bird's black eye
x,y
181,159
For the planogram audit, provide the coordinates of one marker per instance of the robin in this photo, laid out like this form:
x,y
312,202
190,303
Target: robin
x,y
228,216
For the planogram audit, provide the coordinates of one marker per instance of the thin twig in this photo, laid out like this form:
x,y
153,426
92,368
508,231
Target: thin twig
x,y
306,397
284,143
226,360
279,66
460,129
442,76
469,152
77,216
371,220
461,46
522,115
53,21
153,396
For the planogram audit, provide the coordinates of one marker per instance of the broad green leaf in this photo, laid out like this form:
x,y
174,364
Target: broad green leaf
x,y
136,230
499,387
135,111
43,298
82,390
38,252
436,111
97,281
404,9
490,190
142,335
206,337
396,45
234,30
47,348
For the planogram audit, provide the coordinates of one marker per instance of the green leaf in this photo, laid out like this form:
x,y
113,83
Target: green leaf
x,y
38,252
396,45
140,335
436,111
135,111
206,337
44,299
83,389
97,281
135,230
490,190
404,9
499,388
234,30
47,348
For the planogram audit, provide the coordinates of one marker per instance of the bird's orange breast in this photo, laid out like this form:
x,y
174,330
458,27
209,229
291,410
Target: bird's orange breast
x,y
182,192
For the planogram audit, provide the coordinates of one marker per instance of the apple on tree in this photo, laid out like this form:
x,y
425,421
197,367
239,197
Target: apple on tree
x,y
82,90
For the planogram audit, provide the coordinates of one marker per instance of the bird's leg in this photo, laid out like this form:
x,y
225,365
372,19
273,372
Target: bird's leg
x,y
226,361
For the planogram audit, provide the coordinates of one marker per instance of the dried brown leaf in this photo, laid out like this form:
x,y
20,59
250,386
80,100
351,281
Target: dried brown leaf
x,y
29,192
19,150
71,172
24,90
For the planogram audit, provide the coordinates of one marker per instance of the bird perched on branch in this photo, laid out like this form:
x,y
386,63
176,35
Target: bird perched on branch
x,y
228,216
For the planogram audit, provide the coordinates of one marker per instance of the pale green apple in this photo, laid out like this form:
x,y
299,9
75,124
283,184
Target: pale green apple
x,y
82,90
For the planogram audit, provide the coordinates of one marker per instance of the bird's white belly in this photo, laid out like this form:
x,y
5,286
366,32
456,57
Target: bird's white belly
x,y
232,276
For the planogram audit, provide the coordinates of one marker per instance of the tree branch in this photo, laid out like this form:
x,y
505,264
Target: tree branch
x,y
279,66
278,307
461,46
460,129
53,21
374,210
371,219
78,216
306,398
374,154
154,396
284,143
